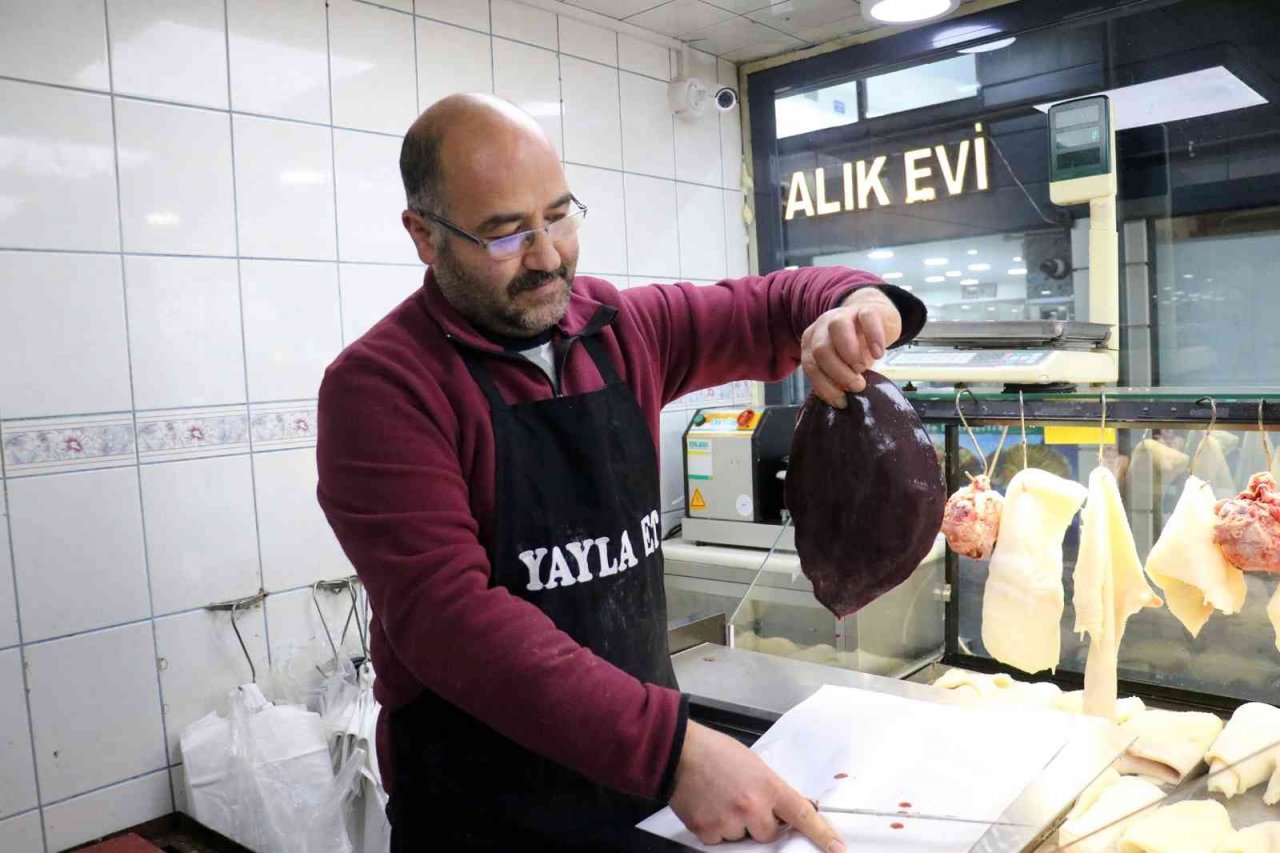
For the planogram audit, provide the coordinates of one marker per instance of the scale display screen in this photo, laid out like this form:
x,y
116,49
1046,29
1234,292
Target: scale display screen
x,y
1079,139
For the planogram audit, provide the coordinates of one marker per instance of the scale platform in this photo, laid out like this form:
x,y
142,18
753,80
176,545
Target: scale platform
x,y
1052,353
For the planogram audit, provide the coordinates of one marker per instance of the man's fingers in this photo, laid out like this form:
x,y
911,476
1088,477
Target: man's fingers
x,y
847,344
822,384
763,828
800,813
873,331
830,363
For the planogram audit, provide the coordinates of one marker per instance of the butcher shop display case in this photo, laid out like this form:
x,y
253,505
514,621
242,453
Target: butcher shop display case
x,y
1152,440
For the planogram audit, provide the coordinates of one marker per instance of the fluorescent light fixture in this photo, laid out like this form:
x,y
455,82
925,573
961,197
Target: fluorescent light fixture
x,y
907,11
935,262
1188,275
964,307
934,279
998,44
1018,259
991,307
968,281
1206,92
880,254
1018,271
1046,293
979,267
954,273
891,276
972,252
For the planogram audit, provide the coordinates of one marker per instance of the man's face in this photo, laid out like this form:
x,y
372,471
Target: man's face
x,y
495,190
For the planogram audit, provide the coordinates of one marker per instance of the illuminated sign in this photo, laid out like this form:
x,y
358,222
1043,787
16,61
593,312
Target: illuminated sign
x,y
863,180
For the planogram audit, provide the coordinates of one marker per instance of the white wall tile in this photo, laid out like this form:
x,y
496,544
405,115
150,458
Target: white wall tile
x,y
8,606
23,834
648,134
371,65
201,661
602,240
298,546
701,212
78,552
58,147
63,347
176,191
369,292
468,13
737,264
292,329
284,189
94,815
370,199
297,634
578,38
95,724
731,153
202,545
17,773
643,57
184,331
592,125
451,59
698,150
279,58
169,51
651,216
56,41
519,22
178,781
530,78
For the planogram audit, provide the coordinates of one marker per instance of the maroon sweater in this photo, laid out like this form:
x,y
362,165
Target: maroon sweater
x,y
406,464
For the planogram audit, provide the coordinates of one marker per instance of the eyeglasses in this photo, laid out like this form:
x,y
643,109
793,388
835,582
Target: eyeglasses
x,y
505,248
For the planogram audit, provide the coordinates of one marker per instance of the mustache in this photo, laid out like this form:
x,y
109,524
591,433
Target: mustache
x,y
533,279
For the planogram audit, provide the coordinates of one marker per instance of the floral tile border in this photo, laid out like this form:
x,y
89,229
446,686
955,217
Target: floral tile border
x,y
276,426
193,433
55,445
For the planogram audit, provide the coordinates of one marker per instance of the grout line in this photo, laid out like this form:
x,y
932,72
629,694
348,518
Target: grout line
x,y
244,332
116,253
626,240
118,782
493,61
333,166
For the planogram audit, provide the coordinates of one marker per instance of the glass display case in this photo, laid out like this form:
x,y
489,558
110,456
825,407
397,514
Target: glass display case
x,y
1153,439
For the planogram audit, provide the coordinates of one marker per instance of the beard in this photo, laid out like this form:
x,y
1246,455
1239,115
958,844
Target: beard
x,y
503,310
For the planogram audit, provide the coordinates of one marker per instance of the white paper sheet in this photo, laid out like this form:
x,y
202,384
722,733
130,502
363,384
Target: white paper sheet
x,y
942,759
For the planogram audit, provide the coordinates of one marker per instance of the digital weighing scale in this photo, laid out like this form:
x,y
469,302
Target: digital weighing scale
x,y
1034,352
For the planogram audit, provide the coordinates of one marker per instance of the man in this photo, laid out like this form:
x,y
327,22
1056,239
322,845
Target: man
x,y
487,461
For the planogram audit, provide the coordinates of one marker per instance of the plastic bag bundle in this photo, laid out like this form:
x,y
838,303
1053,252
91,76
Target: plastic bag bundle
x,y
263,776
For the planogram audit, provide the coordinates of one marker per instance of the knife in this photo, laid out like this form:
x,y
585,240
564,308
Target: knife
x,y
910,815
1181,792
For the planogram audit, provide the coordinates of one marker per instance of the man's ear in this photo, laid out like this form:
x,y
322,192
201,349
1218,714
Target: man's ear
x,y
422,235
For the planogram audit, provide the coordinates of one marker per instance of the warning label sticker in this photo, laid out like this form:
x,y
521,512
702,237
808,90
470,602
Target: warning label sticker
x,y
696,502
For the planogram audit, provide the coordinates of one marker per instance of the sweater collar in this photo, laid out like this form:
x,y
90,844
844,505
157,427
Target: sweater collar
x,y
584,316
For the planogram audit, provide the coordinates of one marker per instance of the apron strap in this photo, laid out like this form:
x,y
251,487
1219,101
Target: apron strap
x,y
481,375
604,364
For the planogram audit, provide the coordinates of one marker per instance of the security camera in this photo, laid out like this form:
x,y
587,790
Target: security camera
x,y
726,98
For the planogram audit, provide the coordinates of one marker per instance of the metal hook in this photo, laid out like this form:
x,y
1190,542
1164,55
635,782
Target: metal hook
x,y
1266,443
1213,421
253,670
323,622
1022,418
1102,429
1004,433
982,456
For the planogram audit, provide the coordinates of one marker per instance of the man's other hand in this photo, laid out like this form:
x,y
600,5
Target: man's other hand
x,y
725,792
844,342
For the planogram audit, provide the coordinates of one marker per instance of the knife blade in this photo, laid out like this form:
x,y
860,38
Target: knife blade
x,y
910,815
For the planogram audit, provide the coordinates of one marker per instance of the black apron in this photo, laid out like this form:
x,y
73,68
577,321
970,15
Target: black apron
x,y
573,473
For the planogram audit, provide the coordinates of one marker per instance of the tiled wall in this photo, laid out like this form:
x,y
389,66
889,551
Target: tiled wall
x,y
198,208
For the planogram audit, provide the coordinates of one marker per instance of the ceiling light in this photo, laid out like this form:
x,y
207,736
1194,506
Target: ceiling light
x,y
934,279
979,267
964,307
880,254
935,262
1018,259
1017,271
968,281
908,11
972,252
1046,293
998,44
991,307
1188,275
954,273
891,276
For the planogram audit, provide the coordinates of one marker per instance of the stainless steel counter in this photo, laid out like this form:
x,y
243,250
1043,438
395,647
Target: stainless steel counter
x,y
765,687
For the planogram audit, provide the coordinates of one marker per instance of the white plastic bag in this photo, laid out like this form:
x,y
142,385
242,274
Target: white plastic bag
x,y
263,776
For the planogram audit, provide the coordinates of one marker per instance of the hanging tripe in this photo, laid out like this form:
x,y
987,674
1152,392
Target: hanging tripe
x,y
865,492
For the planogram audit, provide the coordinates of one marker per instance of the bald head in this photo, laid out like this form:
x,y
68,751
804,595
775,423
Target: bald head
x,y
460,134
